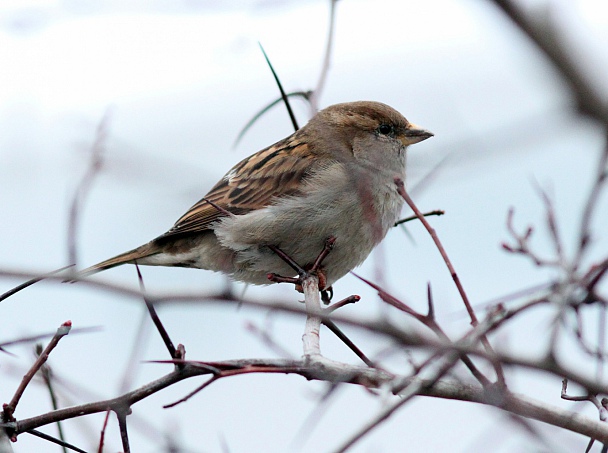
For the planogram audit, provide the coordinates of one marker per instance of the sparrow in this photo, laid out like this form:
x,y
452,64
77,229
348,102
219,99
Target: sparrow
x,y
333,178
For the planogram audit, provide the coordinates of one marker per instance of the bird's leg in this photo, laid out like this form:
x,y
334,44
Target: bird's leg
x,y
291,262
326,292
288,259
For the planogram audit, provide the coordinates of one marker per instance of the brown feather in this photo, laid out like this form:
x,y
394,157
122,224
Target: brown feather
x,y
128,257
251,184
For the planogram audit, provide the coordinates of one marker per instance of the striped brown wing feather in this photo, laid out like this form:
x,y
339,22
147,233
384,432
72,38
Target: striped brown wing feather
x,y
251,184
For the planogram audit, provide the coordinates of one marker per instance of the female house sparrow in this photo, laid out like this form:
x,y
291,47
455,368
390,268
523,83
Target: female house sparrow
x,y
332,178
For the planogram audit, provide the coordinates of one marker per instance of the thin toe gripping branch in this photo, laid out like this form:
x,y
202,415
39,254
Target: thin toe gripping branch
x,y
303,273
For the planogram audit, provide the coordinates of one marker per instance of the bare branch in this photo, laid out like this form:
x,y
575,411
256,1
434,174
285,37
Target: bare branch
x,y
401,189
436,212
294,122
316,93
9,409
156,320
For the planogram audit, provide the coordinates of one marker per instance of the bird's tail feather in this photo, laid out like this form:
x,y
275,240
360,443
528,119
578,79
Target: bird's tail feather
x,y
131,257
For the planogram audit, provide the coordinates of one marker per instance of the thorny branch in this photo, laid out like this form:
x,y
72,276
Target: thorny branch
x,y
429,321
368,377
401,189
353,375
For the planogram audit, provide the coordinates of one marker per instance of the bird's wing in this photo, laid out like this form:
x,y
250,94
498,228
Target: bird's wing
x,y
251,184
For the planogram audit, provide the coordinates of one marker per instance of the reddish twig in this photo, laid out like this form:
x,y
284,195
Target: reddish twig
x,y
429,321
595,274
346,301
103,432
288,260
370,378
523,247
401,189
199,389
327,248
9,409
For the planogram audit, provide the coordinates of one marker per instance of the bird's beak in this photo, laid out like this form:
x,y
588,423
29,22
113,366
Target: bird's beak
x,y
414,134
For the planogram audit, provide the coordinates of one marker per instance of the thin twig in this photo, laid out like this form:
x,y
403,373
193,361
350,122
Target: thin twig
x,y
65,445
266,338
590,205
316,93
411,390
522,246
348,342
156,320
85,186
588,397
346,301
373,378
47,377
102,437
401,189
436,212
9,408
552,225
294,122
429,321
30,282
200,388
44,336
294,94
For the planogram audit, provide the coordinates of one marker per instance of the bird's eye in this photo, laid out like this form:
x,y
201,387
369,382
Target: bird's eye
x,y
385,129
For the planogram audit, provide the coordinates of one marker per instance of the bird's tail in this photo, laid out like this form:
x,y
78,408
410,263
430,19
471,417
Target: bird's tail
x,y
132,256
135,255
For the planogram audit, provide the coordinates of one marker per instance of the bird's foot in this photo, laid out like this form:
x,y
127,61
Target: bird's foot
x,y
316,269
